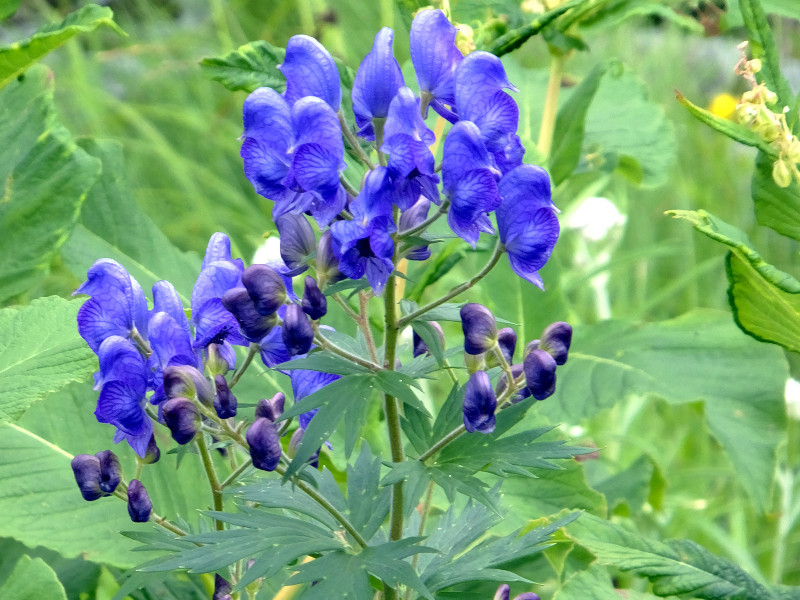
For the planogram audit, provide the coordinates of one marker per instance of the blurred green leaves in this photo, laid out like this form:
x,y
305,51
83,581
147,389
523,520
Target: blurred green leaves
x,y
32,579
247,68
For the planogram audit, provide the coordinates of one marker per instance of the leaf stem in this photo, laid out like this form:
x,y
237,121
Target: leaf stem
x,y
498,252
363,323
324,343
213,481
251,352
352,141
346,307
557,60
235,474
426,223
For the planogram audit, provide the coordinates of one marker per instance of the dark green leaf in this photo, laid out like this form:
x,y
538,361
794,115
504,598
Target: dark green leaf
x,y
323,361
400,386
247,68
595,584
630,486
431,337
32,579
367,502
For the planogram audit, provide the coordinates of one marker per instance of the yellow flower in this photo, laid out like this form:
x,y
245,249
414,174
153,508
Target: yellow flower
x,y
723,105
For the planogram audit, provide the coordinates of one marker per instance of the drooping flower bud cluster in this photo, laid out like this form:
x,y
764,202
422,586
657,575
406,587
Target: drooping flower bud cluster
x,y
487,347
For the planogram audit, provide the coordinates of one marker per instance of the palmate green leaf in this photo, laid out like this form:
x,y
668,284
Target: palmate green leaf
x,y
323,361
595,584
32,579
40,352
113,226
17,57
699,356
367,502
247,68
44,177
675,567
776,207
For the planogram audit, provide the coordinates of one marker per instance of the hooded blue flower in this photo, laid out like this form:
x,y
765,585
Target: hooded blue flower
x,y
310,71
479,404
297,242
469,182
527,221
123,382
294,154
410,219
117,305
377,81
435,58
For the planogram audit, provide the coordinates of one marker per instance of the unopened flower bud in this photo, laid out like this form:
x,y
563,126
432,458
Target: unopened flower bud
x,y
253,324
315,304
327,264
86,468
502,383
216,363
781,173
504,591
556,340
222,588
152,454
109,471
540,374
265,287
184,381
271,409
480,328
479,404
297,241
139,504
265,445
294,444
420,346
507,343
182,417
297,332
224,401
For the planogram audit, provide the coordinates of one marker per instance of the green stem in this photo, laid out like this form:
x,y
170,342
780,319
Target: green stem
x,y
426,223
327,345
352,141
363,324
548,125
498,252
141,343
236,474
442,443
346,307
251,352
122,493
346,185
213,481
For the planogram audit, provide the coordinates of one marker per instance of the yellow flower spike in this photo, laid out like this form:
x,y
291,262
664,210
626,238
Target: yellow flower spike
x,y
723,105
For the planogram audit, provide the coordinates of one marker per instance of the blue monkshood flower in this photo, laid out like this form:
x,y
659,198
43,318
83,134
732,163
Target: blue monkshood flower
x,y
305,383
273,350
526,220
469,182
479,404
271,408
364,245
266,288
406,140
411,218
265,445
540,374
297,242
172,347
419,345
435,58
315,304
153,454
110,475
117,305
479,327
182,418
310,71
252,324
326,262
504,591
480,81
213,324
507,340
222,587
556,340
296,329
139,504
123,377
376,82
294,155
225,403
86,468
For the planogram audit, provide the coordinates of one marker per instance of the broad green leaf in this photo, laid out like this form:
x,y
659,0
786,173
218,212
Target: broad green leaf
x,y
570,125
595,584
367,502
44,177
323,361
629,486
699,356
247,68
776,207
17,57
32,579
40,352
8,8
675,567
113,226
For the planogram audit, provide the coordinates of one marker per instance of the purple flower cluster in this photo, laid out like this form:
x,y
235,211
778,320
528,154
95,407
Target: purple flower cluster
x,y
294,155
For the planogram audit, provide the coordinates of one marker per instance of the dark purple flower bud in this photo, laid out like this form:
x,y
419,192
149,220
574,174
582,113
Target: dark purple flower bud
x,y
297,332
294,444
556,340
479,404
315,304
327,263
184,381
224,400
271,409
253,324
504,591
420,347
540,374
139,504
507,340
266,288
502,382
182,417
297,241
109,471
530,347
216,363
152,454
480,328
222,588
86,468
265,445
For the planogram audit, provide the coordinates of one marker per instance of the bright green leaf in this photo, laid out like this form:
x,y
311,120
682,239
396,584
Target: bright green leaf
x,y
249,67
8,8
32,579
595,584
17,57
776,207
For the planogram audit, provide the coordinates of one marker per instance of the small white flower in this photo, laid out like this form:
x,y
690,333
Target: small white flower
x,y
595,218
